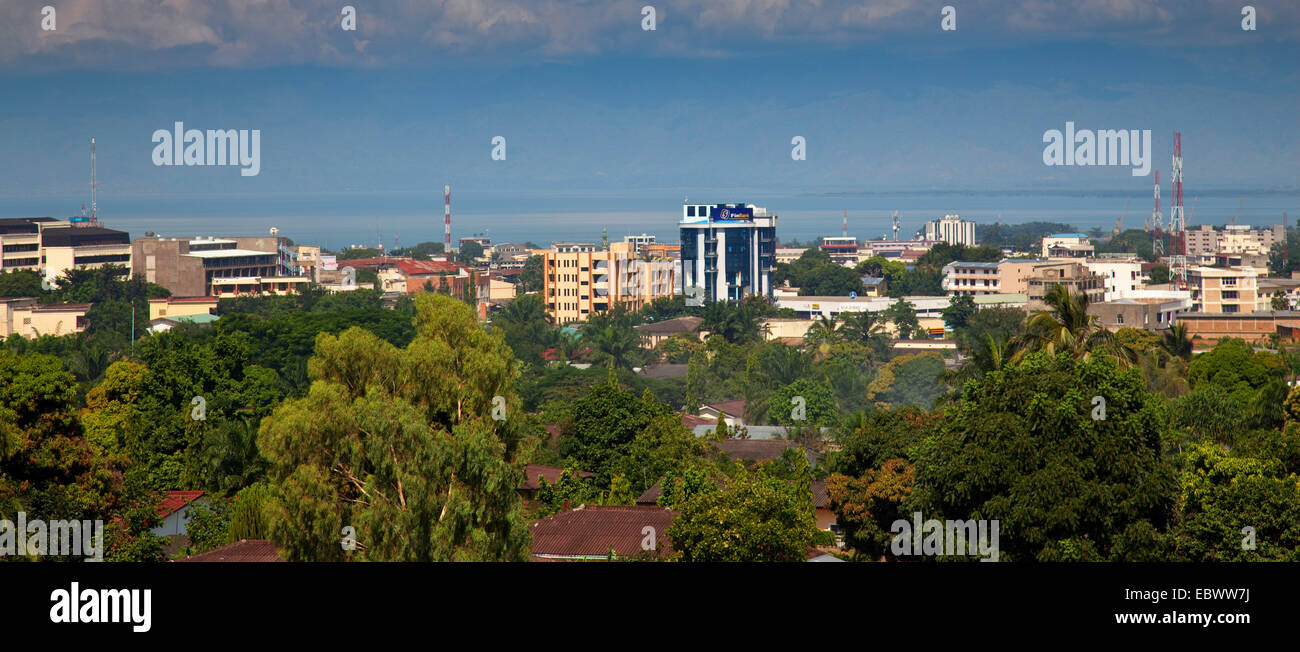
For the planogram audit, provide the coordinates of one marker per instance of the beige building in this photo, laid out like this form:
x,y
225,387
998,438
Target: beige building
x,y
1205,240
972,279
579,280
54,246
1223,290
1073,275
182,307
1010,276
24,316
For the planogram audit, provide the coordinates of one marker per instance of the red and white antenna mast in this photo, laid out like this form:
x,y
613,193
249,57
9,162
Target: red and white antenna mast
x,y
446,219
1177,224
1157,223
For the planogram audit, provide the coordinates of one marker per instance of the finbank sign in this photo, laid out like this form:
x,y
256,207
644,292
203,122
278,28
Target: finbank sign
x,y
731,213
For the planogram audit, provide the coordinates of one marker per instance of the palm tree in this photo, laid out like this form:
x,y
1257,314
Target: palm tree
x,y
866,328
824,334
1176,343
231,456
617,344
1067,327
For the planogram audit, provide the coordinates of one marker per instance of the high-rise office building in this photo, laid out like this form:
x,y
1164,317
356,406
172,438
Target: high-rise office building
x,y
728,251
951,229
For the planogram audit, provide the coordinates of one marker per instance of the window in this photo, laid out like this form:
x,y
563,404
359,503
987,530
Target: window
x,y
1231,307
1119,318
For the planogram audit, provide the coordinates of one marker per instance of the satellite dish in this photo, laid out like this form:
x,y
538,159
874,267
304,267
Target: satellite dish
x,y
274,230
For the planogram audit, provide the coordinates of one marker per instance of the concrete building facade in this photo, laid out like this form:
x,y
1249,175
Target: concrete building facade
x,y
728,252
1223,290
579,280
951,229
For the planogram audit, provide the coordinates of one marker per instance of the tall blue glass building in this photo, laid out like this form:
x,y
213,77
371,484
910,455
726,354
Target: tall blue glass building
x,y
728,251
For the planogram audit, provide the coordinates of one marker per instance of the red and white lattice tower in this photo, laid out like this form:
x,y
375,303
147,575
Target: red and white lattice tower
x,y
1157,223
446,219
1177,224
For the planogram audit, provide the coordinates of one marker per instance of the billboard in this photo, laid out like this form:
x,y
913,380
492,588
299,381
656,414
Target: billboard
x,y
731,213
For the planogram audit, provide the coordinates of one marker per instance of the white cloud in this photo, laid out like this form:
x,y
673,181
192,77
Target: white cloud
x,y
238,33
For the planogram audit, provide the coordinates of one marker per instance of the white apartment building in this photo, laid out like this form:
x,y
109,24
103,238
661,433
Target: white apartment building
x,y
1118,276
973,279
1067,245
951,229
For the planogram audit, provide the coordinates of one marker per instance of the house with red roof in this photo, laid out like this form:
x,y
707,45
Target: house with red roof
x,y
594,532
176,509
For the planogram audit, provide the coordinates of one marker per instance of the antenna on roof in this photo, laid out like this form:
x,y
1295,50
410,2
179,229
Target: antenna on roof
x,y
94,213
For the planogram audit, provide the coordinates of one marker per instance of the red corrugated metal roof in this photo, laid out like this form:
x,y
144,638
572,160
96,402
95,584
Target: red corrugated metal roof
x,y
244,550
551,473
594,530
176,500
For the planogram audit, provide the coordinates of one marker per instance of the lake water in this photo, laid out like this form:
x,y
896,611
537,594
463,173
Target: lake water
x,y
336,221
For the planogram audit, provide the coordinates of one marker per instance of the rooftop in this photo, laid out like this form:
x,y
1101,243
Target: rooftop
x,y
174,500
244,550
534,472
229,253
592,531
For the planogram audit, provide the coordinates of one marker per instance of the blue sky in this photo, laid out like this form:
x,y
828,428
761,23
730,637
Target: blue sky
x,y
589,102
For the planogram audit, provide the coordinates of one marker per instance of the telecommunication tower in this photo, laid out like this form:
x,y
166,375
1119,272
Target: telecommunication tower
x,y
1177,223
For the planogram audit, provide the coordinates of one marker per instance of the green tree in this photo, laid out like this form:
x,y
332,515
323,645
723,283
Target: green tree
x,y
1159,275
817,405
902,314
959,311
757,517
1224,493
530,279
469,252
400,444
1023,446
911,379
1066,326
605,421
1176,343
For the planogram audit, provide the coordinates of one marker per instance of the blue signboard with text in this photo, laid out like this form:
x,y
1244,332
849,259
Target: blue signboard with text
x,y
731,213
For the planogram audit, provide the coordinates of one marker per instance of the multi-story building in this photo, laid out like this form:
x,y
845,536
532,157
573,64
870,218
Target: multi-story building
x,y
658,251
843,250
218,266
951,229
308,260
728,252
54,246
1073,275
1206,240
1223,290
1152,310
1010,276
578,280
639,242
24,316
978,278
1117,276
1067,245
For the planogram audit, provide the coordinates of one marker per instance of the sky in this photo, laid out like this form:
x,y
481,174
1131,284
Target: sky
x,y
590,104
